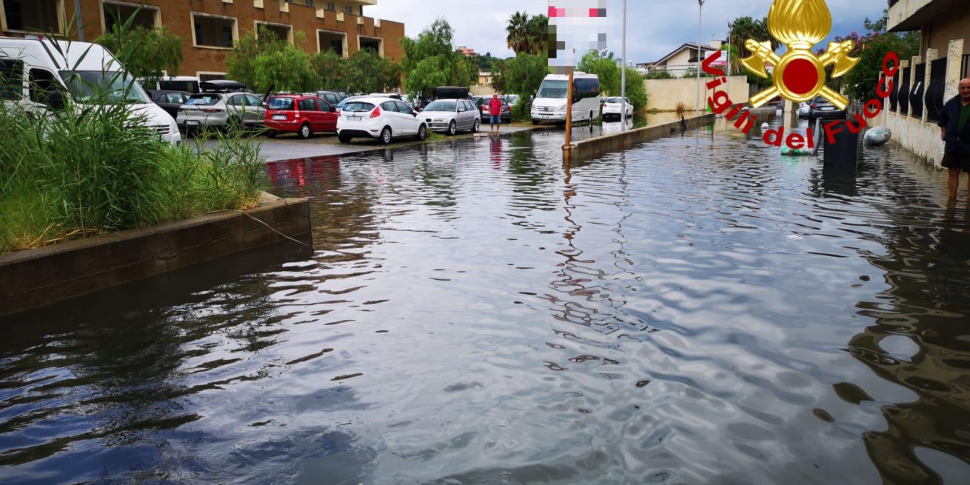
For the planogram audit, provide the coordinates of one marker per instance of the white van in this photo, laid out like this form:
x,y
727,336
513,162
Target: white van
x,y
34,73
550,101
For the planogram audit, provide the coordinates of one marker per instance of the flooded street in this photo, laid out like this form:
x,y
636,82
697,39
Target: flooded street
x,y
699,309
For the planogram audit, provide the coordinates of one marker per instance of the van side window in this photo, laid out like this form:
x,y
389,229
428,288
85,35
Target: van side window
x,y
40,83
11,79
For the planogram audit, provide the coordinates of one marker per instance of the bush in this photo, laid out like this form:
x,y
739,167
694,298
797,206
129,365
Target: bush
x,y
90,170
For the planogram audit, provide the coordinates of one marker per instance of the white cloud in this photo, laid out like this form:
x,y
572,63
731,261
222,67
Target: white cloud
x,y
654,27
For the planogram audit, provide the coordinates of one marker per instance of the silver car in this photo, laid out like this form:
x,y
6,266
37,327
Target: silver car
x,y
451,116
220,110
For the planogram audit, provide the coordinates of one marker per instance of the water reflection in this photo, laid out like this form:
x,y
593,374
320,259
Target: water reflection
x,y
699,309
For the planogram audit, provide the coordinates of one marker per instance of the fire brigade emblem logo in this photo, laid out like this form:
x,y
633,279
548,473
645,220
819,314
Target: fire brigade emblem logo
x,y
799,74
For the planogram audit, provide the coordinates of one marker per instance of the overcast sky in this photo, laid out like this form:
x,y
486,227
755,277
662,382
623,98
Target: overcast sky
x,y
654,27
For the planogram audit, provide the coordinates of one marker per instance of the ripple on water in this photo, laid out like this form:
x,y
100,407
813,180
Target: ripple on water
x,y
698,309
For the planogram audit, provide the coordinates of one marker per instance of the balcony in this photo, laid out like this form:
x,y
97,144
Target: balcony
x,y
907,15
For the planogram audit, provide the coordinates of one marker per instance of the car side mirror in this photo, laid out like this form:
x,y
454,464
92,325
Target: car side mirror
x,y
55,99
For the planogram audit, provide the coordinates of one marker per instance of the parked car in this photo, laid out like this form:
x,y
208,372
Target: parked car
x,y
824,109
332,97
513,99
169,100
300,114
451,116
803,109
387,95
344,102
221,110
380,118
614,106
482,103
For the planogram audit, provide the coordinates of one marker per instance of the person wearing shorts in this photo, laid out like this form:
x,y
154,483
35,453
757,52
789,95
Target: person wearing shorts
x,y
495,111
955,132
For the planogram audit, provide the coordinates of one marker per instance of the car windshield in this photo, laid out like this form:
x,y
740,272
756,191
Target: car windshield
x,y
358,107
112,87
441,106
203,99
553,89
346,101
613,100
280,103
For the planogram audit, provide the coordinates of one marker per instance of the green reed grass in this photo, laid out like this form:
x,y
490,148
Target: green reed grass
x,y
93,169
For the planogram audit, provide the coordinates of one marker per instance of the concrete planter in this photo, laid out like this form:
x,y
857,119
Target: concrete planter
x,y
35,278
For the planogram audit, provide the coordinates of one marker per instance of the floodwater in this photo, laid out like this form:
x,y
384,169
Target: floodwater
x,y
699,309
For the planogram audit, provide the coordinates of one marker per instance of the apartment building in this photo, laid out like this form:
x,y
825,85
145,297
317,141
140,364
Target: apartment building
x,y
927,80
210,28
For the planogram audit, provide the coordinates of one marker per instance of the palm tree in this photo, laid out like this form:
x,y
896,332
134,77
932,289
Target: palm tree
x,y
744,28
537,34
517,31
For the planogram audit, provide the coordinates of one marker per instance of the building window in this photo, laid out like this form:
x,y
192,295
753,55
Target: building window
x,y
331,7
349,10
371,44
33,15
280,32
211,31
116,14
332,41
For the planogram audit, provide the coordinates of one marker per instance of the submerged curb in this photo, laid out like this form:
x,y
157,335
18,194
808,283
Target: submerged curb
x,y
39,277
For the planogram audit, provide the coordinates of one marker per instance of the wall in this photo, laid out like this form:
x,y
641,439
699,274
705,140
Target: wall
x,y
664,94
923,139
938,35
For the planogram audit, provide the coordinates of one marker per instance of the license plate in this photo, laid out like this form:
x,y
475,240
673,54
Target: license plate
x,y
355,118
191,123
279,117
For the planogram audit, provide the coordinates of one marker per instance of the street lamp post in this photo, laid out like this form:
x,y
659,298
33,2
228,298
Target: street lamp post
x,y
623,75
700,5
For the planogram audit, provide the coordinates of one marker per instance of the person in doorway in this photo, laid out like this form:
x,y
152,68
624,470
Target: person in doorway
x,y
955,131
495,111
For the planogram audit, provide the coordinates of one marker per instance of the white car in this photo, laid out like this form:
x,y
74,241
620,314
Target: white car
x,y
613,108
803,109
381,118
451,116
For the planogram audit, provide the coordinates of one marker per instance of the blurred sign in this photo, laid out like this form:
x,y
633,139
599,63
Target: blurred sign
x,y
575,28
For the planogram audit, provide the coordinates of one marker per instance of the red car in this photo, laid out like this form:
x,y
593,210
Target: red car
x,y
300,114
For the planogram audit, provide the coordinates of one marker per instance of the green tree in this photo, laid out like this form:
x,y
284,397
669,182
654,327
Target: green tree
x,y
658,73
272,64
740,30
431,60
871,49
525,34
605,67
498,76
147,52
366,71
635,89
522,75
332,69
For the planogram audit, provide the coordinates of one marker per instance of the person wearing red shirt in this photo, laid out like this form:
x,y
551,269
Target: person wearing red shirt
x,y
495,110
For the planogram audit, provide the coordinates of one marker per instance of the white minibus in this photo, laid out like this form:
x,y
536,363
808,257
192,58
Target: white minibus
x,y
36,74
549,104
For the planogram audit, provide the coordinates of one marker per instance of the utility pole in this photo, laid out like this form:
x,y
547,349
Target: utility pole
x,y
623,75
700,6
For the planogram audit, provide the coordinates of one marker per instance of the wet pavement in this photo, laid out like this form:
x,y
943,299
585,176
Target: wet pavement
x,y
699,309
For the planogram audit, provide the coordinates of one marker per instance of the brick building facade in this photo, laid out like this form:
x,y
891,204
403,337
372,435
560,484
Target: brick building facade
x,y
209,28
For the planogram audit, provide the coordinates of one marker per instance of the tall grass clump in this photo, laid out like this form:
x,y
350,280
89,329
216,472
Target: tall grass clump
x,y
94,166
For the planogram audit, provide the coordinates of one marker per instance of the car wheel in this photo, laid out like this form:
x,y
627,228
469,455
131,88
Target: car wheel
x,y
304,132
423,132
344,138
476,126
452,127
386,135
